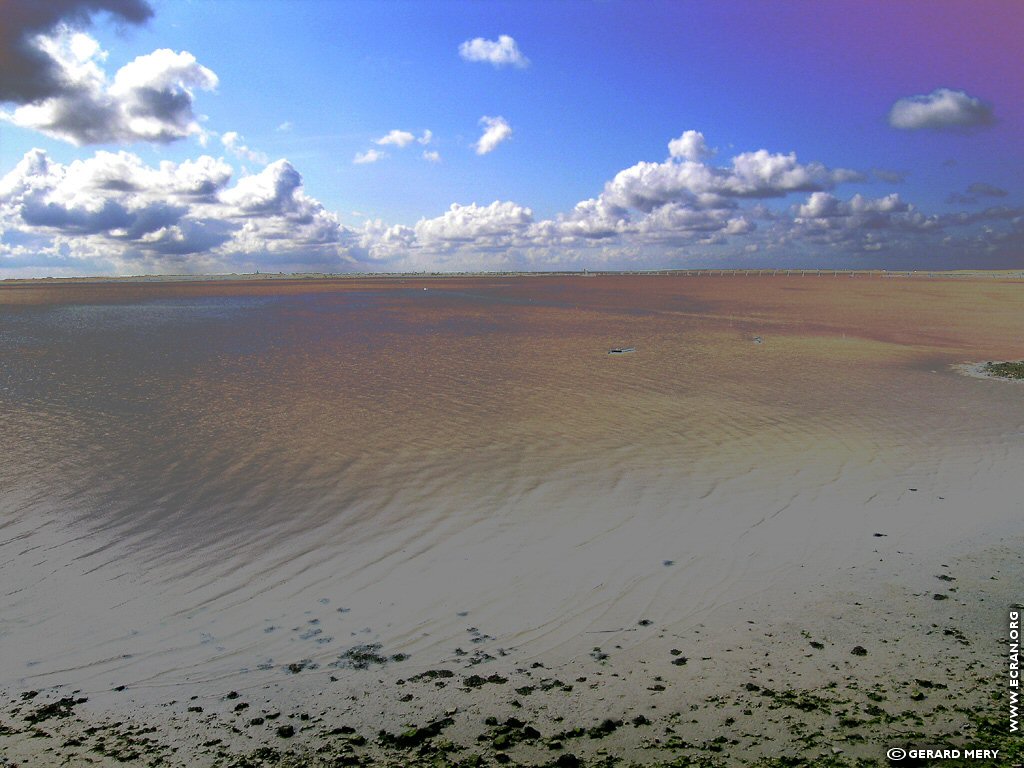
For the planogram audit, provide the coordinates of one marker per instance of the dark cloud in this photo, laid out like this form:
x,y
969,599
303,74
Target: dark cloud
x,y
150,98
890,176
27,73
981,189
995,213
959,198
974,191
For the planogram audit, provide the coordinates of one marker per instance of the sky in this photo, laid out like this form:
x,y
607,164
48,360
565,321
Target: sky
x,y
173,137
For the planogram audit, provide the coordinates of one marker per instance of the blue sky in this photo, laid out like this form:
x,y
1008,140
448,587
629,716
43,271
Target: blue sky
x,y
226,136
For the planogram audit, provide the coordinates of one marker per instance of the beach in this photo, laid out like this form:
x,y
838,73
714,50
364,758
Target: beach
x,y
431,520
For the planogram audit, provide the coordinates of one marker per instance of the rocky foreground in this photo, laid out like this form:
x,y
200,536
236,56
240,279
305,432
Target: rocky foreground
x,y
854,676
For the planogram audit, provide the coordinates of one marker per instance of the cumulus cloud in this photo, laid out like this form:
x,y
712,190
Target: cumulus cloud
x,y
114,213
501,52
687,205
115,198
369,156
689,146
396,138
942,109
426,138
675,223
822,205
859,222
496,130
496,222
761,174
431,156
465,237
271,191
113,209
592,219
149,99
29,72
381,242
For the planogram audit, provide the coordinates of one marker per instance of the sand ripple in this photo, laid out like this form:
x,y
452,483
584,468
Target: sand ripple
x,y
203,485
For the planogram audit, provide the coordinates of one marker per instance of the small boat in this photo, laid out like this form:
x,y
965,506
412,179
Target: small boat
x,y
621,350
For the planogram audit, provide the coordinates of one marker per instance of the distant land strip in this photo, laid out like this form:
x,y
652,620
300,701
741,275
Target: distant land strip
x,y
1006,274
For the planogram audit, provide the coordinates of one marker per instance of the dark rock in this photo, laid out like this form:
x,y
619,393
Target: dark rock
x,y
606,727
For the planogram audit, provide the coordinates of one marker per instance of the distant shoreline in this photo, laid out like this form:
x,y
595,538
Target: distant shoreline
x,y
1001,274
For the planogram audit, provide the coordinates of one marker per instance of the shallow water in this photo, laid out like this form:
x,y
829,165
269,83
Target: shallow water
x,y
202,479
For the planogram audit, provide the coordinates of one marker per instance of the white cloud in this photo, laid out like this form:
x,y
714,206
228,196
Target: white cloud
x,y
498,221
426,138
234,143
382,242
820,205
431,156
396,138
115,213
591,219
369,156
496,130
860,220
942,109
501,52
285,127
265,192
689,146
761,174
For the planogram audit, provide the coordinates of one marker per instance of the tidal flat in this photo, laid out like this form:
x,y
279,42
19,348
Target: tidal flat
x,y
432,521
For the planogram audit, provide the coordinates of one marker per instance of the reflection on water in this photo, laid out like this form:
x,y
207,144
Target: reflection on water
x,y
188,478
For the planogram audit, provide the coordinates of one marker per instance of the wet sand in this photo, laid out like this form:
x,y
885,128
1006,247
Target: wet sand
x,y
384,503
